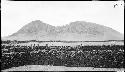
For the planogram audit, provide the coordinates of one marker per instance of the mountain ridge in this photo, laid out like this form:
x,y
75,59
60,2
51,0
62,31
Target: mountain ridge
x,y
78,30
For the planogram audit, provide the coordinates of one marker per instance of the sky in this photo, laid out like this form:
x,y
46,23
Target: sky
x,y
16,14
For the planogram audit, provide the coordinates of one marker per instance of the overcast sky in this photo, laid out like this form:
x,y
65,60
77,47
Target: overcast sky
x,y
15,15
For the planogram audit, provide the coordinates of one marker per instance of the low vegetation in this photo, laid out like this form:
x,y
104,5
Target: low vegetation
x,y
105,56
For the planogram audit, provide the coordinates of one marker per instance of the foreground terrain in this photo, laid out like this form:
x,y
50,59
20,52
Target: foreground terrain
x,y
95,56
60,68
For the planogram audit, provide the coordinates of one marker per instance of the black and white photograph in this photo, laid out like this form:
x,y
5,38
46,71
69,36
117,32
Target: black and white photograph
x,y
62,36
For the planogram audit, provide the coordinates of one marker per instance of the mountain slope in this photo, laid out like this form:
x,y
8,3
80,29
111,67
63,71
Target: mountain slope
x,y
75,31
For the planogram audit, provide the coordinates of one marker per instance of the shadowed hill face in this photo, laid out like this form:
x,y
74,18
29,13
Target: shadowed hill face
x,y
87,28
79,30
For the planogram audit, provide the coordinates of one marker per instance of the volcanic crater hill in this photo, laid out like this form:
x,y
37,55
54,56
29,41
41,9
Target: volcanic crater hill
x,y
75,31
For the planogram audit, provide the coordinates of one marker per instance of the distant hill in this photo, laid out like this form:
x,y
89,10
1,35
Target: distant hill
x,y
75,31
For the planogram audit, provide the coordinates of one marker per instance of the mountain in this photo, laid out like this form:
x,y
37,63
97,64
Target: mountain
x,y
75,31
